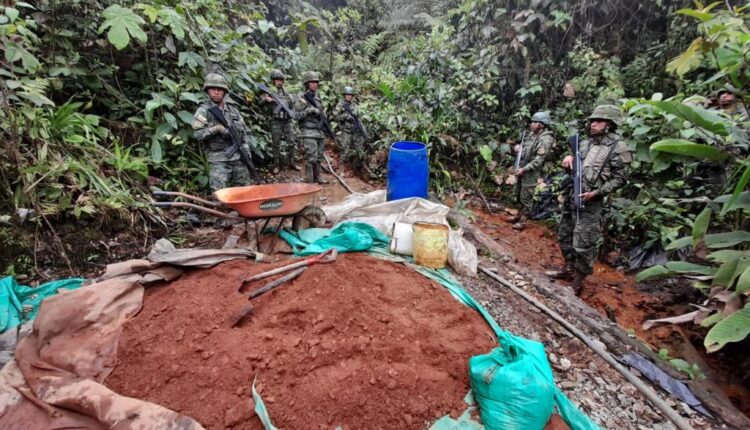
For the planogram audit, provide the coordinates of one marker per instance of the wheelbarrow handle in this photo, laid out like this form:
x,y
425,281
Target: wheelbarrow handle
x,y
187,196
198,208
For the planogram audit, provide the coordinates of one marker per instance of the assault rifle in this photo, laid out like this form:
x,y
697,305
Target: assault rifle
x,y
517,164
357,123
323,125
280,105
236,146
576,178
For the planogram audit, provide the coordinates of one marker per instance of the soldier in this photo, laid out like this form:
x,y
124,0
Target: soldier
x,y
311,115
224,170
533,152
606,159
282,126
729,104
352,139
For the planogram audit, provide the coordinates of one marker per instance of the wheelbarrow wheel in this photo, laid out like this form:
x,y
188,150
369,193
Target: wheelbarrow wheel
x,y
310,216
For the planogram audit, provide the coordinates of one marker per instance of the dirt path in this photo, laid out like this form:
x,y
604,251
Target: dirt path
x,y
616,295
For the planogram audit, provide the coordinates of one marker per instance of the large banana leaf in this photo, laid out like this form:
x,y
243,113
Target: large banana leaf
x,y
733,328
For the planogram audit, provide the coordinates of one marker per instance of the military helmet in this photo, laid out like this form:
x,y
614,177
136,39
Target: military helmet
x,y
215,80
607,112
348,90
728,88
277,74
310,77
542,117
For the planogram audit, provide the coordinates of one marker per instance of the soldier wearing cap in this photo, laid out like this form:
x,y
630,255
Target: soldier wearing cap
x,y
352,139
606,159
225,170
282,125
534,151
310,113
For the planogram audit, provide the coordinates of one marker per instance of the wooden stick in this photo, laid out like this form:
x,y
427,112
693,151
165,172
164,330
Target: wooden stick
x,y
613,336
646,390
341,180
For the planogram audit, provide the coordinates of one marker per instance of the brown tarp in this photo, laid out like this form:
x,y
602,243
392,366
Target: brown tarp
x,y
55,381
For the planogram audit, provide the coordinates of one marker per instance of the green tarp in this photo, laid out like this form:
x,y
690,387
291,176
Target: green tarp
x,y
20,303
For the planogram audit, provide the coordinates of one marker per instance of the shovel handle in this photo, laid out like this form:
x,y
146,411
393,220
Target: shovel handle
x,y
187,196
332,253
276,283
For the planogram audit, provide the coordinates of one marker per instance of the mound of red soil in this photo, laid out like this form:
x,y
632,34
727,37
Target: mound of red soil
x,y
359,343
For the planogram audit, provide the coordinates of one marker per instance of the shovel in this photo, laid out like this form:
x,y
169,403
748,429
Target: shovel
x,y
326,257
237,316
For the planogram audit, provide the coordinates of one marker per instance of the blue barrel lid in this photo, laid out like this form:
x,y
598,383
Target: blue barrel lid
x,y
408,145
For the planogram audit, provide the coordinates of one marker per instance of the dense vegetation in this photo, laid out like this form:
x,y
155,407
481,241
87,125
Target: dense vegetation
x,y
97,99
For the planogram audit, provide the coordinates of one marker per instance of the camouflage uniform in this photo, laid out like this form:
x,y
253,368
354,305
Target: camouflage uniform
x,y
309,117
351,139
581,234
224,171
535,150
282,128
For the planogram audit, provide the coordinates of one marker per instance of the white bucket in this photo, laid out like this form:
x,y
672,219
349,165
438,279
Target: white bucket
x,y
401,242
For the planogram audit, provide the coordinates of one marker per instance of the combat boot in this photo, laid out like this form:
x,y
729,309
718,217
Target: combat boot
x,y
316,174
566,273
520,222
577,283
309,174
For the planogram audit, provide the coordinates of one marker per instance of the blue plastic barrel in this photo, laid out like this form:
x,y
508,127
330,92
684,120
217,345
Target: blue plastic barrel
x,y
408,170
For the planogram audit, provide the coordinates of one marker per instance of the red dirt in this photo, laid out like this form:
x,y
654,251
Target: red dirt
x,y
359,343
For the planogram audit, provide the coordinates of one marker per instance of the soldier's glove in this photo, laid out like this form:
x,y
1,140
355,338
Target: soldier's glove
x,y
220,129
312,111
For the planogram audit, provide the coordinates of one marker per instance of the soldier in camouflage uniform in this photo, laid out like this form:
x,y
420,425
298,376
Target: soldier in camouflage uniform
x,y
534,151
282,126
352,139
224,170
606,159
310,117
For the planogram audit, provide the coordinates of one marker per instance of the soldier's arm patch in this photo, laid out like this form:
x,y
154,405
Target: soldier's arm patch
x,y
199,121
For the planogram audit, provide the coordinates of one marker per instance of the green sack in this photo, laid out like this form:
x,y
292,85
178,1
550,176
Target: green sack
x,y
511,392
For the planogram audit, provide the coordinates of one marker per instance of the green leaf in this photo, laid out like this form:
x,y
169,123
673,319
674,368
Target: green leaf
x,y
158,100
264,26
697,115
697,14
651,273
689,149
733,328
486,153
156,154
730,271
123,24
711,320
701,225
741,184
192,97
191,59
679,243
727,254
743,283
742,202
11,13
688,60
170,18
685,267
725,240
185,116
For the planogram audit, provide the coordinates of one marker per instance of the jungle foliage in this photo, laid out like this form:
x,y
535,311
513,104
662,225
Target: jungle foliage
x,y
97,99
